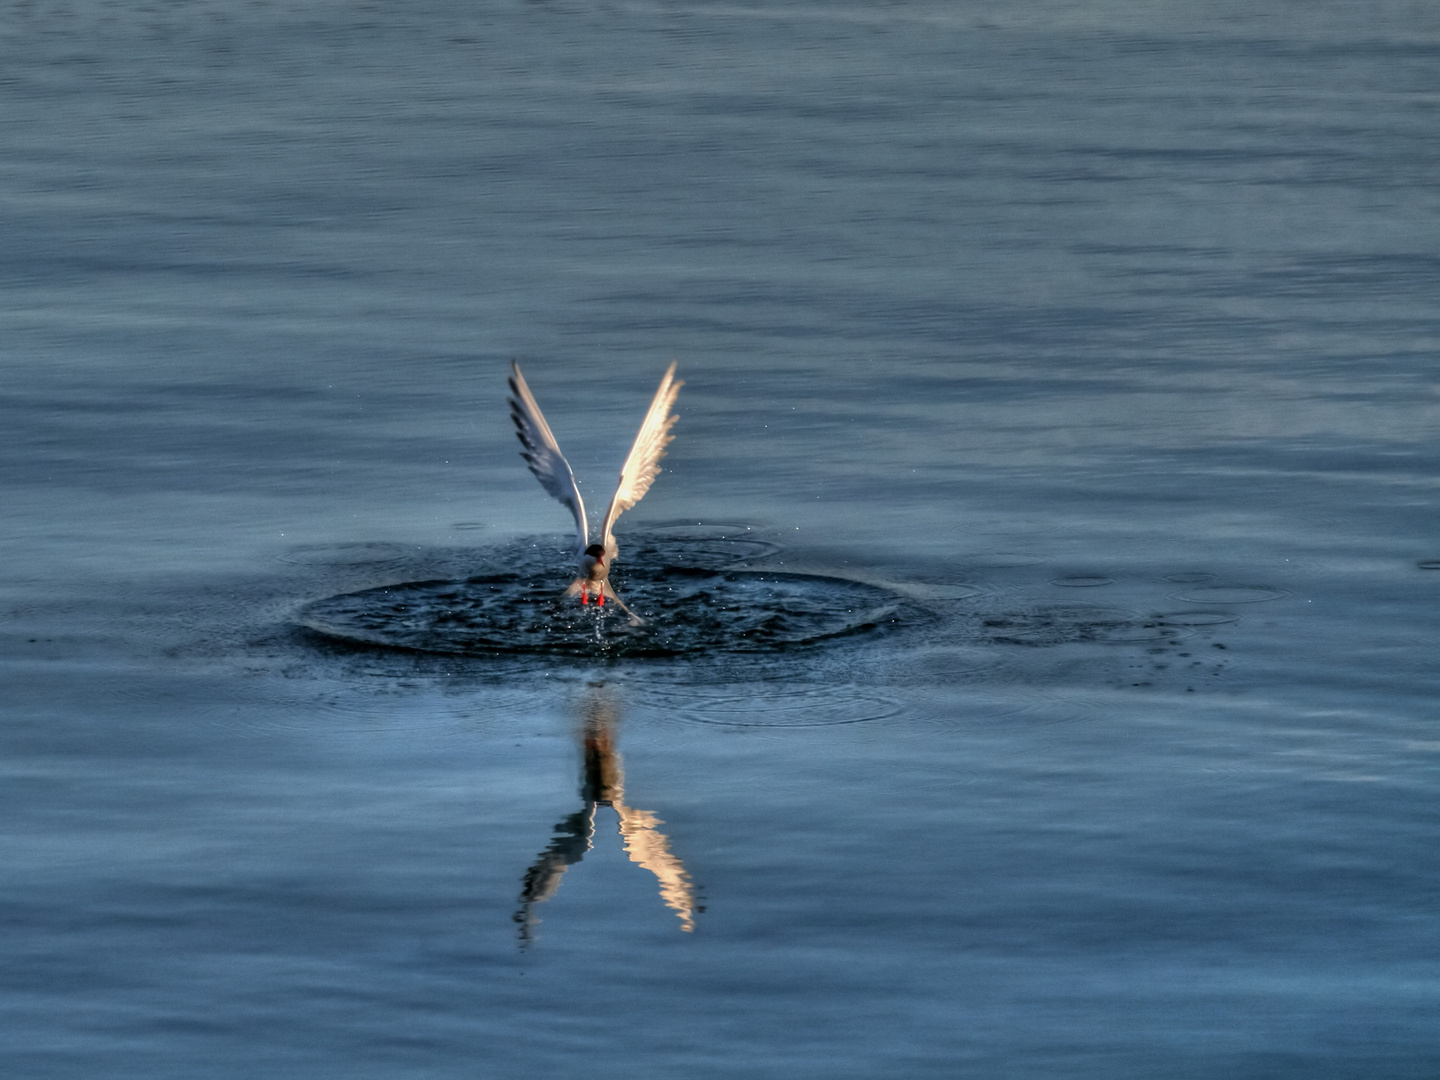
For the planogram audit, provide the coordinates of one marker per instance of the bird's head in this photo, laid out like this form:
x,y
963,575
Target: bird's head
x,y
592,562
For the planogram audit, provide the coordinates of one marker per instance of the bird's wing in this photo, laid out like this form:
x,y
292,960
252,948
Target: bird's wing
x,y
643,464
542,452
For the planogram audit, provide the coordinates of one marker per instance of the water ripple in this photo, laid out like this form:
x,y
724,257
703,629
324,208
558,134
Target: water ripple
x,y
782,705
685,610
1230,594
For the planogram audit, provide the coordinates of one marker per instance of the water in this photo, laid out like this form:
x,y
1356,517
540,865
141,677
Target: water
x,y
684,597
1102,336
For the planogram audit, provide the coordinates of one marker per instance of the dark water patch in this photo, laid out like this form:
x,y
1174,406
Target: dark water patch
x,y
1190,578
1429,564
684,610
1029,664
1082,581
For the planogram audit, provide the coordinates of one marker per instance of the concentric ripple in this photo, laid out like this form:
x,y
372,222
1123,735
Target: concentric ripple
x,y
685,610
1231,594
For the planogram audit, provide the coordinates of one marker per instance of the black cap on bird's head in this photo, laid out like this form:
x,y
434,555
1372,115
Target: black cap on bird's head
x,y
596,551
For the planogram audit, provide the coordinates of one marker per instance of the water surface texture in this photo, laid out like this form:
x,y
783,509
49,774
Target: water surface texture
x,y
1055,475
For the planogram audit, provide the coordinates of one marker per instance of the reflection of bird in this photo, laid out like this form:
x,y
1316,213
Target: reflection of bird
x,y
542,454
603,784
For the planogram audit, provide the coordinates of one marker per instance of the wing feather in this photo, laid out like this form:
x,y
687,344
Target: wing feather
x,y
643,463
542,453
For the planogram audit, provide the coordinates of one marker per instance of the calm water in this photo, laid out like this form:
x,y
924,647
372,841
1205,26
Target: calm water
x,y
1103,334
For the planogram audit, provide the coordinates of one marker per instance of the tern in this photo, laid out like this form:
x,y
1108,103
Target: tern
x,y
542,453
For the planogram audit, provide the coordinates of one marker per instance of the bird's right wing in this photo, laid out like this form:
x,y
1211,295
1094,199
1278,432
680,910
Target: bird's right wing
x,y
542,452
642,464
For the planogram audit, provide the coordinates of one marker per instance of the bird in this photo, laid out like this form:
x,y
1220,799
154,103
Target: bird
x,y
542,454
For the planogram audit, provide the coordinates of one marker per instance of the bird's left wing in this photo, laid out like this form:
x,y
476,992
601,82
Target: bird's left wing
x,y
542,452
643,464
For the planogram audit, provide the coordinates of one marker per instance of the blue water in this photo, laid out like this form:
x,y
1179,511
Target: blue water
x,y
1104,334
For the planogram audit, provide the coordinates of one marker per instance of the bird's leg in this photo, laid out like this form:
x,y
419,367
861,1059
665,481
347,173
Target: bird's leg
x,y
600,597
584,594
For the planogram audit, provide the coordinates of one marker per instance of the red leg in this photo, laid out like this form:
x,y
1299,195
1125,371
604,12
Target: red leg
x,y
584,595
600,598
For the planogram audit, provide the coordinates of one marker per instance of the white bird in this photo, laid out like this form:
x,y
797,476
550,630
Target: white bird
x,y
542,453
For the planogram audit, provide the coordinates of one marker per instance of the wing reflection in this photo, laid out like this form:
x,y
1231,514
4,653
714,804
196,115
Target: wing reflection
x,y
602,783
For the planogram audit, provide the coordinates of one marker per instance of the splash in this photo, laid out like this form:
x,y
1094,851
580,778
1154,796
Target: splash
x,y
686,609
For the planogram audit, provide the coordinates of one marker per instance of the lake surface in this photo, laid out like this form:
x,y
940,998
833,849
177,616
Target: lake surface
x,y
1101,336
